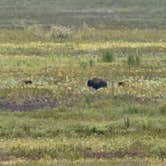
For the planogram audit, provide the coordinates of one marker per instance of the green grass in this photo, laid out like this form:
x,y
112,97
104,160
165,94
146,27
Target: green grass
x,y
58,120
107,13
127,162
70,124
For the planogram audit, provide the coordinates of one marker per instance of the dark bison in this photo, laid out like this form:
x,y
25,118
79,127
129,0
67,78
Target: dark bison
x,y
96,83
26,82
121,83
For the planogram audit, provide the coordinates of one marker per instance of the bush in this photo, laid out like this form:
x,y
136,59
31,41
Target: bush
x,y
133,60
108,57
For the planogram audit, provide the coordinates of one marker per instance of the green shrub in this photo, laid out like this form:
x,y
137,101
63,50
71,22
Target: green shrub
x,y
108,57
133,60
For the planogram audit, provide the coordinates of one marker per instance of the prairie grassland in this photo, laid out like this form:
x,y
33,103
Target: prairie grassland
x,y
106,13
58,120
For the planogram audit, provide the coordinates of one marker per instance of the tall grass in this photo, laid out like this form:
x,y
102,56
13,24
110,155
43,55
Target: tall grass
x,y
116,123
134,60
108,57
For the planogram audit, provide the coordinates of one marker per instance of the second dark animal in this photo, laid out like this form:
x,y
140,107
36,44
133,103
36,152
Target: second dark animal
x,y
97,83
26,82
121,83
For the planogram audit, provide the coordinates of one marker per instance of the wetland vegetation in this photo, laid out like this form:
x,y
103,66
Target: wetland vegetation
x,y
57,119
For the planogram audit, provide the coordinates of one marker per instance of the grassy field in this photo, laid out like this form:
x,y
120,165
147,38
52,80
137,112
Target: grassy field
x,y
59,45
58,120
97,13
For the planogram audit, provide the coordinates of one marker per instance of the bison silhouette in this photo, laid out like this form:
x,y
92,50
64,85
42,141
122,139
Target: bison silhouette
x,y
26,82
121,83
97,83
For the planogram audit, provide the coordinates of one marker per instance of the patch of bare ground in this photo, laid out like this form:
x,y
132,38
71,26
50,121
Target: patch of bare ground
x,y
29,105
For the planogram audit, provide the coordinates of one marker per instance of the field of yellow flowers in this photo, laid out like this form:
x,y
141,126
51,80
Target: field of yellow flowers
x,y
58,120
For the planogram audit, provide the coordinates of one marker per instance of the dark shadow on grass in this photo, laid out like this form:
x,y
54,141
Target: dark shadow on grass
x,y
28,105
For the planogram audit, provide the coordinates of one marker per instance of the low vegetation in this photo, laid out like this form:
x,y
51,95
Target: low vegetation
x,y
58,117
48,52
